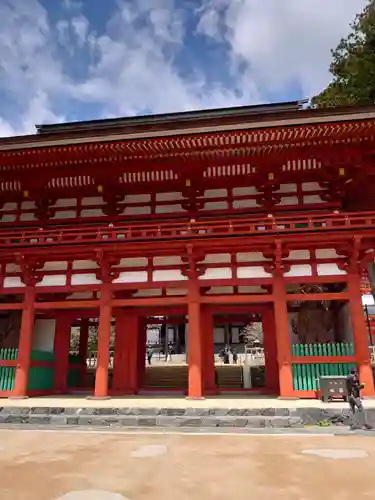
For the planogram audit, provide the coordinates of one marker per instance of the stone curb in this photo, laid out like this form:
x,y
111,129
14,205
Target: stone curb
x,y
178,417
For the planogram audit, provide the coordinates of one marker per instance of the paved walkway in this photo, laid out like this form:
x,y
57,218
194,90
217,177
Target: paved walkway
x,y
39,465
175,402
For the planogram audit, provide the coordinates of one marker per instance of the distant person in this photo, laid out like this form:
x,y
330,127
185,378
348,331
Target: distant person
x,y
150,353
354,388
226,356
234,355
169,353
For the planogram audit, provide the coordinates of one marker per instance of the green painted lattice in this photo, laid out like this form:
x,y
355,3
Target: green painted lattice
x,y
338,349
306,376
7,373
40,377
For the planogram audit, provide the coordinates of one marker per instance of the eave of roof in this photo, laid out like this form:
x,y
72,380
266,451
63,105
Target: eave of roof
x,y
180,124
170,118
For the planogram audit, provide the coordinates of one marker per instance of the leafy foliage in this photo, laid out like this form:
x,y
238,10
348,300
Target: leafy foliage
x,y
353,65
251,334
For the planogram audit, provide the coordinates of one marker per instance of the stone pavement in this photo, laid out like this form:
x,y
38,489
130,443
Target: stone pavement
x,y
39,465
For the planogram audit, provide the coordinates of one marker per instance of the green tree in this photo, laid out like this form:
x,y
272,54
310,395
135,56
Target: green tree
x,y
353,65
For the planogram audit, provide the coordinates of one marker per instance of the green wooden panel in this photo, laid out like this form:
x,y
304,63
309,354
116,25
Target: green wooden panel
x,y
74,377
306,376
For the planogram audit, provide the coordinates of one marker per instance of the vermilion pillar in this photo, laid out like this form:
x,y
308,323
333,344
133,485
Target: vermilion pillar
x,y
270,351
360,335
141,348
195,344
126,356
25,343
83,348
131,354
104,334
61,350
118,355
207,325
284,356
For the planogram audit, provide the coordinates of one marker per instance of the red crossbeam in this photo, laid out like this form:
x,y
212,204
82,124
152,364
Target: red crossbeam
x,y
244,227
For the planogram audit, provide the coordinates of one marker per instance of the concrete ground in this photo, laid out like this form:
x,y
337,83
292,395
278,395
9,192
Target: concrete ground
x,y
78,465
169,401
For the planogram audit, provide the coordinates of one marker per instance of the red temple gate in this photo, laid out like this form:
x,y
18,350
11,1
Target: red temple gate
x,y
199,212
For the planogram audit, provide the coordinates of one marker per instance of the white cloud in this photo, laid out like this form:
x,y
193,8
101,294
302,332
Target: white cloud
x,y
282,42
135,66
135,69
29,73
80,26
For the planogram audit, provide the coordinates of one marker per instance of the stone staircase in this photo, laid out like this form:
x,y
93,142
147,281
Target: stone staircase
x,y
166,377
229,376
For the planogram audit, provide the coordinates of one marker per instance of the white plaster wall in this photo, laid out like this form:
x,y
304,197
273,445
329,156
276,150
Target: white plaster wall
x,y
252,272
218,258
251,257
220,290
132,277
299,270
13,282
215,193
311,186
53,280
84,264
168,196
287,188
168,209
44,335
288,200
245,191
134,262
168,275
313,198
216,273
67,202
298,255
93,200
85,279
327,253
249,203
137,198
329,270
173,260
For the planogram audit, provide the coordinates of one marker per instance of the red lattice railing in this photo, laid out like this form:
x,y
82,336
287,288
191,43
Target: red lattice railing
x,y
188,230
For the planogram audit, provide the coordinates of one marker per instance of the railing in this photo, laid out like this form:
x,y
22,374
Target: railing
x,y
187,230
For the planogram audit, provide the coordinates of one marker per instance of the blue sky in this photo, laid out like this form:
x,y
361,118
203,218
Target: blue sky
x,y
66,60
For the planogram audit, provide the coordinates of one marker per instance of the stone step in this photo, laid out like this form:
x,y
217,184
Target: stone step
x,y
119,420
178,417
